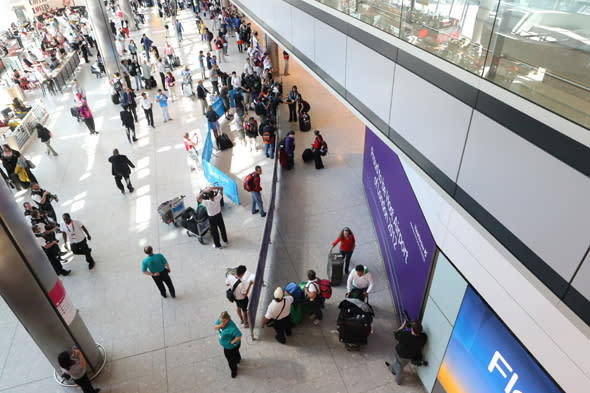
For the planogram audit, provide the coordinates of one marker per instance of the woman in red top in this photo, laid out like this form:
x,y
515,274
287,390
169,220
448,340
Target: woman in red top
x,y
347,243
317,148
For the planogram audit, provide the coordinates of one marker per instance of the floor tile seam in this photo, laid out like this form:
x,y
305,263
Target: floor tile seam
x,y
8,351
5,389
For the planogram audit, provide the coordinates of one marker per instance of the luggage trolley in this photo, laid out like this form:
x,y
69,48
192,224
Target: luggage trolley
x,y
171,211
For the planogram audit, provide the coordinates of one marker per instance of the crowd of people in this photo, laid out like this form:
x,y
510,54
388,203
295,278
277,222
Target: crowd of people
x,y
250,98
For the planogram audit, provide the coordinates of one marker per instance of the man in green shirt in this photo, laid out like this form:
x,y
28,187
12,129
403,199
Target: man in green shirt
x,y
156,266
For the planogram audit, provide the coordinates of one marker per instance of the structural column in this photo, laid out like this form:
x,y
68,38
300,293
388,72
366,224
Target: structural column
x,y
272,49
34,293
99,18
128,14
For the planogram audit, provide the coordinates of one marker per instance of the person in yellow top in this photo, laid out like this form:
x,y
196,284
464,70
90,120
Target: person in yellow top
x,y
201,29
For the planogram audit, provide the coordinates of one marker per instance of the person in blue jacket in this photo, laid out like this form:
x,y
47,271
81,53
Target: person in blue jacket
x,y
230,339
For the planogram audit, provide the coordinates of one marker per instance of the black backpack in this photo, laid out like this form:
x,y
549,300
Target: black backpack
x,y
230,291
260,109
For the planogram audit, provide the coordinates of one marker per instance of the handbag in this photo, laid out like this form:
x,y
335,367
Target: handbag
x,y
22,174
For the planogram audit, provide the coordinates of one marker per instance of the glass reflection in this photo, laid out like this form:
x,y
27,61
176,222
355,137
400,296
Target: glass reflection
x,y
538,49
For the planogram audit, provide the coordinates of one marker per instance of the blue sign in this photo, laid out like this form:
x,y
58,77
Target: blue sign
x,y
484,357
214,175
217,105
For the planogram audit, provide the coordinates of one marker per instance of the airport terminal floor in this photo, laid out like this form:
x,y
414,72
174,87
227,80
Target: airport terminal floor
x,y
169,345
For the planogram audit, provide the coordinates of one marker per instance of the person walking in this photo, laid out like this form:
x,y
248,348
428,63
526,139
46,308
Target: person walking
x,y
202,96
147,105
43,200
209,36
292,99
147,43
240,290
313,300
179,30
251,131
253,182
190,144
156,266
73,365
187,79
319,148
78,91
211,198
213,121
86,115
171,85
290,149
169,53
230,339
279,310
45,136
161,68
128,123
73,232
162,100
135,72
51,249
347,244
268,132
128,99
132,47
121,169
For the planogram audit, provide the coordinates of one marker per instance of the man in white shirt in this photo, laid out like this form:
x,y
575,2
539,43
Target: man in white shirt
x,y
236,81
161,68
248,67
360,281
240,292
146,105
279,310
312,296
211,199
75,233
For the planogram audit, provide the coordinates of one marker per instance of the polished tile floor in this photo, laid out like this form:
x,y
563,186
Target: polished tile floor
x,y
159,345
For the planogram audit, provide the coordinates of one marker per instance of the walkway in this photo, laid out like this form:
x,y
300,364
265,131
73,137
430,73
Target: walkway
x,y
168,345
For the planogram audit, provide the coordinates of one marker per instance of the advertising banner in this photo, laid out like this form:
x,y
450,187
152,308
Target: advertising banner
x,y
217,106
406,244
62,302
484,357
214,175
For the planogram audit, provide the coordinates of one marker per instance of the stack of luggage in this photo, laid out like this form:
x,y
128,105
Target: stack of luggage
x,y
354,322
196,222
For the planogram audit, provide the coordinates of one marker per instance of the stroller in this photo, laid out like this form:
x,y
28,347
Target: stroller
x,y
196,222
354,323
171,211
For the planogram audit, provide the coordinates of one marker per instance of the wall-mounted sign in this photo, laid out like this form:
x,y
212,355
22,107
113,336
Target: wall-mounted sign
x,y
484,357
405,240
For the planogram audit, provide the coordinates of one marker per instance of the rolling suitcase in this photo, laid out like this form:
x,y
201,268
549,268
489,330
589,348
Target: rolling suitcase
x,y
224,142
115,98
354,323
282,158
335,267
304,122
307,155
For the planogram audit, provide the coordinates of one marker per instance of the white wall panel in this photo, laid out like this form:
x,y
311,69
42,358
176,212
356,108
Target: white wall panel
x,y
302,32
438,329
369,77
281,20
582,280
430,119
537,197
447,289
330,51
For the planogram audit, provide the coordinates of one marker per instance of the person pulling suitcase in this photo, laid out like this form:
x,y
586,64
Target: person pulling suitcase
x,y
347,244
360,283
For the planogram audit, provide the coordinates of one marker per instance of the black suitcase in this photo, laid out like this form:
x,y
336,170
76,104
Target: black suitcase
x,y
115,98
305,122
224,142
307,155
75,113
335,267
354,325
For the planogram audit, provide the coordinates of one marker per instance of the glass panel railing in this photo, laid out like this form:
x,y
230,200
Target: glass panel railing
x,y
541,51
538,49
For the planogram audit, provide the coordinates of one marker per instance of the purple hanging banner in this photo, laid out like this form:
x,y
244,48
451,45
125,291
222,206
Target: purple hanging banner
x,y
405,240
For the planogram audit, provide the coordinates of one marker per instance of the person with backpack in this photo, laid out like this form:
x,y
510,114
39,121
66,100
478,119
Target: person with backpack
x,y
313,299
45,136
251,130
347,244
319,148
267,131
360,283
239,292
252,185
209,37
279,310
